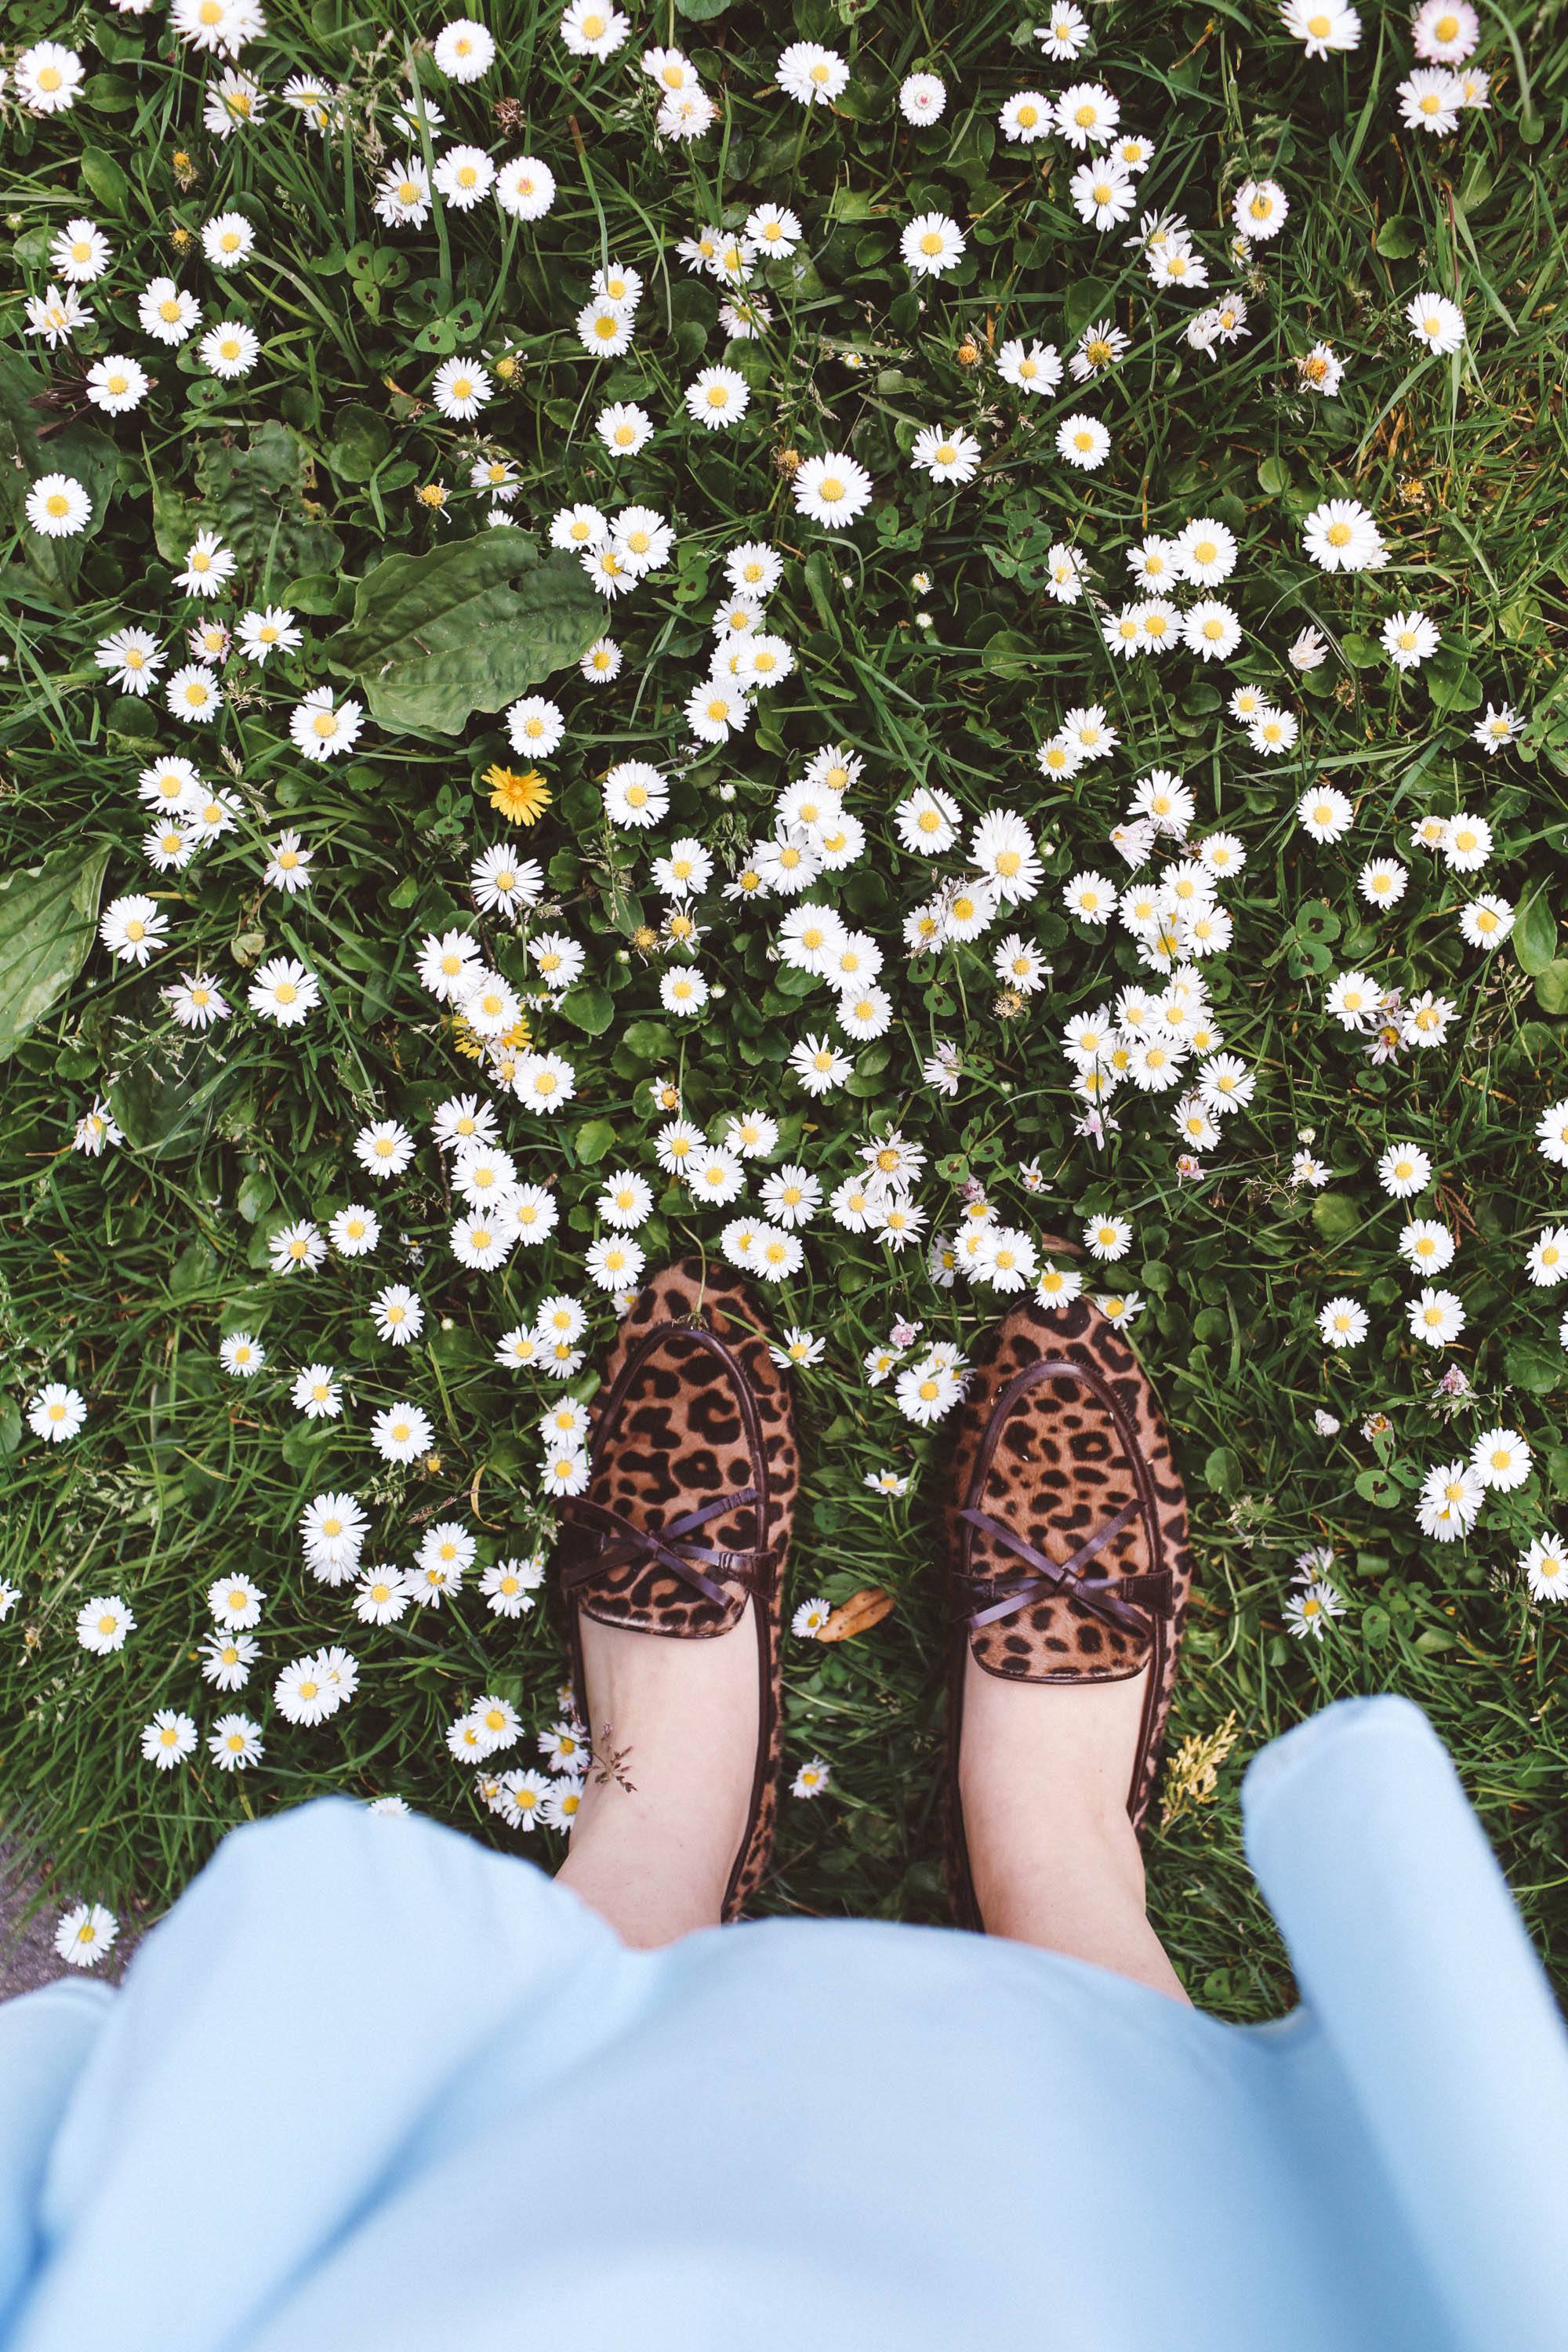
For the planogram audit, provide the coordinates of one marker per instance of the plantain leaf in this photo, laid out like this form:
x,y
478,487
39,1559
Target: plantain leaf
x,y
164,1104
434,637
47,914
255,495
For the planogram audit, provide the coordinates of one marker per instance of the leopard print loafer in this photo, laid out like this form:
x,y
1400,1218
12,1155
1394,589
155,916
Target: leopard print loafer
x,y
1066,1531
690,1501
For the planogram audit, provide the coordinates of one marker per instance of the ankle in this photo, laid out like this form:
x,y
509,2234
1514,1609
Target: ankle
x,y
654,1870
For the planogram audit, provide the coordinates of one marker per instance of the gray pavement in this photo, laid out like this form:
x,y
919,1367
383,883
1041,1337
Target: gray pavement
x,y
27,1944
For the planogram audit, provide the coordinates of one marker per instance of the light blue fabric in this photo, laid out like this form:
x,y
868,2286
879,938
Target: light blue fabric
x,y
370,2085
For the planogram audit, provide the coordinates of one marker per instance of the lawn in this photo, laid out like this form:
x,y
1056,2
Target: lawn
x,y
1079,499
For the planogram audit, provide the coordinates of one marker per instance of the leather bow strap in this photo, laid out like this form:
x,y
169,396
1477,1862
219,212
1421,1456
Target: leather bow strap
x,y
700,1565
1119,1599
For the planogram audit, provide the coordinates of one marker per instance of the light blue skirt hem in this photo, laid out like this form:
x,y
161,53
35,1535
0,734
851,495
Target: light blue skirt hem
x,y
370,2084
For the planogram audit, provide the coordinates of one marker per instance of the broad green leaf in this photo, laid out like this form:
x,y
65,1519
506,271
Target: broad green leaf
x,y
163,1107
1007,653
320,592
1274,477
1450,685
132,720
91,458
1551,987
435,637
1336,1215
360,439
194,1269
1534,1365
175,522
255,494
109,93
104,177
1399,238
594,1140
1535,933
847,203
1082,304
590,1009
47,914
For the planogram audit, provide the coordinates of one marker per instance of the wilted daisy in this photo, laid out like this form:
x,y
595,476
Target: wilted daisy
x,y
1320,370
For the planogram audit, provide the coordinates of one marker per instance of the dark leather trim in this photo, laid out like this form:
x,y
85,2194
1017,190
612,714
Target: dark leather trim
x,y
621,1541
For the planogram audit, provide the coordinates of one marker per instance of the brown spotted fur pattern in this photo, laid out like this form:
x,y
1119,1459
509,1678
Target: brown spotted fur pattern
x,y
1056,1462
669,1434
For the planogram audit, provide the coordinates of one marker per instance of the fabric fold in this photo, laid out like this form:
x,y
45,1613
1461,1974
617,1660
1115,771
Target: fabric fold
x,y
1415,1965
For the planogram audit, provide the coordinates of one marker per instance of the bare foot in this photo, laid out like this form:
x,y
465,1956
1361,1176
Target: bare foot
x,y
1043,1778
674,1726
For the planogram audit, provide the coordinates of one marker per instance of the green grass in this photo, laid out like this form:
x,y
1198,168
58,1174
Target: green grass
x,y
120,1274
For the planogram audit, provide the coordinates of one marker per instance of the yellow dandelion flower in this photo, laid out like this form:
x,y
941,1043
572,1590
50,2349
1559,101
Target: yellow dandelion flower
x,y
523,798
